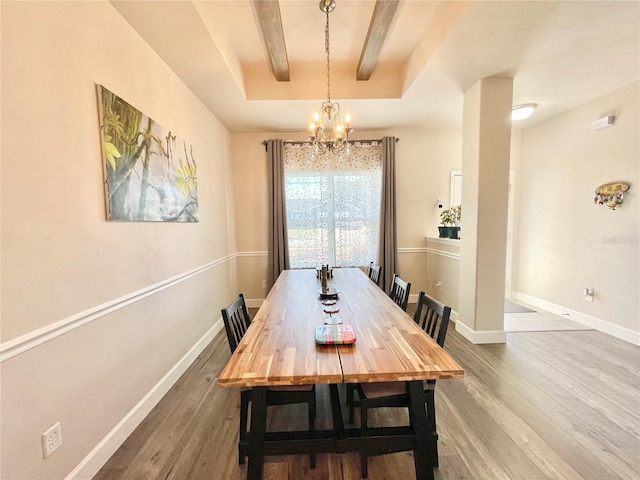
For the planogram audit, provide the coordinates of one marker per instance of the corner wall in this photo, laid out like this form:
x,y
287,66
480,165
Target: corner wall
x,y
98,318
566,242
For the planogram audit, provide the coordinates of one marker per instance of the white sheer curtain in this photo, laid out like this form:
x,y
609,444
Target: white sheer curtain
x,y
333,205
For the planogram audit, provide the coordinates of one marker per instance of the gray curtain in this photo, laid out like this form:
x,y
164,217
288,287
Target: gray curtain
x,y
278,249
388,250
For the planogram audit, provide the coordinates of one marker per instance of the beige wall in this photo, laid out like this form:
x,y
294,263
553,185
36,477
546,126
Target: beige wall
x,y
567,243
64,265
424,162
443,271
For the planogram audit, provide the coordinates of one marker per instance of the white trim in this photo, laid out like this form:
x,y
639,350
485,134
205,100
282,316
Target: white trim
x,y
251,254
442,253
617,331
30,340
455,174
482,336
509,247
412,250
444,241
97,458
259,253
254,302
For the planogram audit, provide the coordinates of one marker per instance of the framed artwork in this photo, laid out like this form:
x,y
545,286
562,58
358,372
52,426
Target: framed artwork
x,y
150,174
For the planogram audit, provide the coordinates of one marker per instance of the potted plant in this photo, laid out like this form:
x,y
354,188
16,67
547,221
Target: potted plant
x,y
447,222
455,216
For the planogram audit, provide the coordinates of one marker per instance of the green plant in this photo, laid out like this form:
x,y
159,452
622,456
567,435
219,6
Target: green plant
x,y
446,217
451,216
456,215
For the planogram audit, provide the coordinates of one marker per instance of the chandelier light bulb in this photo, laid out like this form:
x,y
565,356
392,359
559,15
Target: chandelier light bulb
x,y
330,111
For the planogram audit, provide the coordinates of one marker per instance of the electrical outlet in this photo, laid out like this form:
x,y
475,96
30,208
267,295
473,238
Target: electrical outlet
x,y
51,440
588,294
264,284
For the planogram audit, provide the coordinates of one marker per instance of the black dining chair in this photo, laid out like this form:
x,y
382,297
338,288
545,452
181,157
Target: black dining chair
x,y
399,292
374,273
433,318
236,322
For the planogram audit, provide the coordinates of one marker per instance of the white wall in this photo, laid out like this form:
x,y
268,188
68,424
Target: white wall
x,y
567,243
94,313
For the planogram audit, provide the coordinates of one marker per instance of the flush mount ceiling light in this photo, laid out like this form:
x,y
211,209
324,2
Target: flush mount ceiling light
x,y
520,112
329,116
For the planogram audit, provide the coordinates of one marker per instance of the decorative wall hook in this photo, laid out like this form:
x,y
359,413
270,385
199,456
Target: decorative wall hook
x,y
610,194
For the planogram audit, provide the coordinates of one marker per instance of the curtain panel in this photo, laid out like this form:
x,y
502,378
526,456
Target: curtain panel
x,y
278,246
388,249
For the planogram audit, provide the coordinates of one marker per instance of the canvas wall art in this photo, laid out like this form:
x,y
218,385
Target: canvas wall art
x,y
150,173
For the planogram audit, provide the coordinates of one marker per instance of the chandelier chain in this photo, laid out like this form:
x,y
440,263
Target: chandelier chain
x,y
327,51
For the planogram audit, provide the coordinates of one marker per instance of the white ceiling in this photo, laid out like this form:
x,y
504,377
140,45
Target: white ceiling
x,y
560,54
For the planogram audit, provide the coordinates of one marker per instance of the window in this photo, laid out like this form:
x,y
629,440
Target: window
x,y
333,206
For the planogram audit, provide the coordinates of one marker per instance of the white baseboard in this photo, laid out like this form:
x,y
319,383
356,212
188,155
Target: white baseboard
x,y
96,459
482,336
617,331
254,302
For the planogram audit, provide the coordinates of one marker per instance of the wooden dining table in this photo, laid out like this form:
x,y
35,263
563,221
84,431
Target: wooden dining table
x,y
279,348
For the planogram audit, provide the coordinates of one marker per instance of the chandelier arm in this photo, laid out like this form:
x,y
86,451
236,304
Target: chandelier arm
x,y
329,113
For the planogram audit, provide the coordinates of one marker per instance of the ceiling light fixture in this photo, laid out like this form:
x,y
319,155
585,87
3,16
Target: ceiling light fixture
x,y
329,116
520,112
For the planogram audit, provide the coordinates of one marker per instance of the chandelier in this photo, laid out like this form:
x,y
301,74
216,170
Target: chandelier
x,y
329,117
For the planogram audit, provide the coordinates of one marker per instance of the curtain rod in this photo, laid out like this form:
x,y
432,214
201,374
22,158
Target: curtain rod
x,y
303,142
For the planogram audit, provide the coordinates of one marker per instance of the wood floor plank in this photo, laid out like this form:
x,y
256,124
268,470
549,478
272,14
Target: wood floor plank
x,y
562,405
455,420
588,392
529,444
562,440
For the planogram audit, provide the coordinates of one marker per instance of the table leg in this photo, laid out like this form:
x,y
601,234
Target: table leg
x,y
256,432
424,452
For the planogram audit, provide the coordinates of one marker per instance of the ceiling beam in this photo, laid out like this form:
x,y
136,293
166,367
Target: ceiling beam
x,y
268,14
381,20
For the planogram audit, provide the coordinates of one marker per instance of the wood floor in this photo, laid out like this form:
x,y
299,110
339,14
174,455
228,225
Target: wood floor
x,y
562,405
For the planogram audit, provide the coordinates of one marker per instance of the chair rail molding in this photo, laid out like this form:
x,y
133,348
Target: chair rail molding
x,y
443,253
37,337
453,253
258,253
413,250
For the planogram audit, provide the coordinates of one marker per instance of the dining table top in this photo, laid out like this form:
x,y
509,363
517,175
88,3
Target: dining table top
x,y
279,348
